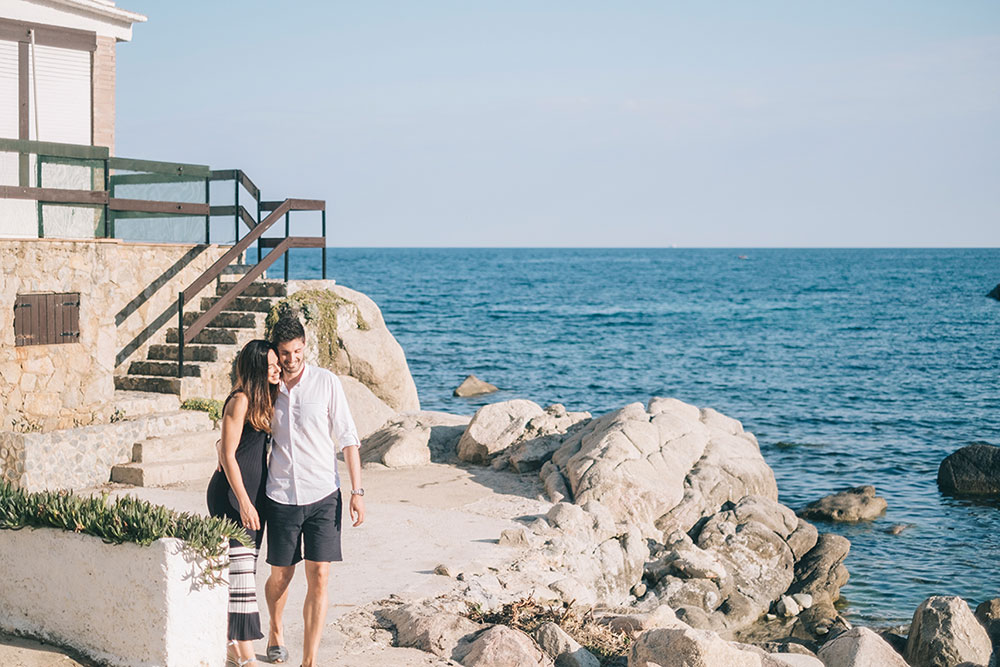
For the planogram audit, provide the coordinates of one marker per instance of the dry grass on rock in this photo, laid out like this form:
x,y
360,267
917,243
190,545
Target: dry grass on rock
x,y
527,615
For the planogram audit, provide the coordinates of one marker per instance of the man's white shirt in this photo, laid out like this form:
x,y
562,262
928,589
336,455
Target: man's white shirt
x,y
311,422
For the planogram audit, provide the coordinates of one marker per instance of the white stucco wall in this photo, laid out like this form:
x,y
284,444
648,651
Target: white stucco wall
x,y
98,16
120,604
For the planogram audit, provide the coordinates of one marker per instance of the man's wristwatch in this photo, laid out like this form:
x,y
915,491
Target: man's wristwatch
x,y
357,492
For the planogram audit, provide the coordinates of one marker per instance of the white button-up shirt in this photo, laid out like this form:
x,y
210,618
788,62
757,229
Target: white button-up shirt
x,y
310,421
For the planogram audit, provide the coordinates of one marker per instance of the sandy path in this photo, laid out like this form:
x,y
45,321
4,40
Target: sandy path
x,y
417,518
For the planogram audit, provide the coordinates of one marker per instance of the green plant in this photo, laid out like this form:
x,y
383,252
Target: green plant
x,y
118,416
127,519
319,309
210,405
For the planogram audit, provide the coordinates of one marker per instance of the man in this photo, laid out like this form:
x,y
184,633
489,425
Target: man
x,y
311,419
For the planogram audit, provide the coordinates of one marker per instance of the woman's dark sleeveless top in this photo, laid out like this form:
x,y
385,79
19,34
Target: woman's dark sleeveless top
x,y
251,457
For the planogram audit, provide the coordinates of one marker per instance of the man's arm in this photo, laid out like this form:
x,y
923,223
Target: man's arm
x,y
352,457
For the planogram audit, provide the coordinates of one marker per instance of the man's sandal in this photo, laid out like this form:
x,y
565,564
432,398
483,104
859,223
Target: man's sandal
x,y
277,654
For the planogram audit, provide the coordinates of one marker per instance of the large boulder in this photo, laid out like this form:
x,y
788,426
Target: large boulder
x,y
849,506
430,629
502,646
345,333
988,614
369,411
494,428
543,435
944,632
688,647
413,439
821,572
972,470
663,467
859,647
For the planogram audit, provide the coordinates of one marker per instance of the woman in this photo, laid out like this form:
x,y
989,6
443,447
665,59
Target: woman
x,y
237,489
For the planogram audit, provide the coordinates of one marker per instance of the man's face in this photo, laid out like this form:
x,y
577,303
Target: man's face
x,y
290,357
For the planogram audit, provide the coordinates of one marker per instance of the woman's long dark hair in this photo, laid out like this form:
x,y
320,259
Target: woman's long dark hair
x,y
251,380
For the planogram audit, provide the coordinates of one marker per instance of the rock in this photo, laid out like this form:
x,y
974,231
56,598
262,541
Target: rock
x,y
944,631
821,572
687,647
514,537
413,439
850,505
501,646
897,529
444,571
859,647
473,386
972,470
994,293
787,607
802,539
345,332
798,660
554,482
542,436
988,614
640,463
369,411
494,428
804,600
430,629
635,624
563,649
639,590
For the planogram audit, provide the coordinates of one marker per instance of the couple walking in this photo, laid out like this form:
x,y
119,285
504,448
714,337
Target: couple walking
x,y
296,492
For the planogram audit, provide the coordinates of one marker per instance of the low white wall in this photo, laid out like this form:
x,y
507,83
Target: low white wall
x,y
121,604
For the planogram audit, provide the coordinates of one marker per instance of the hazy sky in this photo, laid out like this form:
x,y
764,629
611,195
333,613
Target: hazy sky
x,y
575,123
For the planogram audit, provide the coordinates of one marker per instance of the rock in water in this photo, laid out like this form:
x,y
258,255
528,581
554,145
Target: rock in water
x,y
944,631
860,647
972,470
995,293
473,386
849,506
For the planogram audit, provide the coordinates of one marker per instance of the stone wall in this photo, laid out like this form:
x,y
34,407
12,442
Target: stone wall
x,y
128,292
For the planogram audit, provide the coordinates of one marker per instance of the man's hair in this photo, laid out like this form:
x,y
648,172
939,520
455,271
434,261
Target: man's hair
x,y
287,328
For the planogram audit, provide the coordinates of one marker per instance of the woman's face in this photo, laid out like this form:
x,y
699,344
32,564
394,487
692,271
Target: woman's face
x,y
273,369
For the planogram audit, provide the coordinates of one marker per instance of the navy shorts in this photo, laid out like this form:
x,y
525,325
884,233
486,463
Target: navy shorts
x,y
312,531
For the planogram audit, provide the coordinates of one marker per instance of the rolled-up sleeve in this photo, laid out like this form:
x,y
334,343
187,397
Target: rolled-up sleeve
x,y
342,427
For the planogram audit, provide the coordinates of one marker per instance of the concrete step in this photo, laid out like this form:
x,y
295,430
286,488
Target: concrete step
x,y
140,403
253,304
257,288
207,336
191,353
165,472
164,368
180,447
161,385
229,320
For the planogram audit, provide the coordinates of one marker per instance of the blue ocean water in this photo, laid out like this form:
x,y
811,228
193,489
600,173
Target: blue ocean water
x,y
850,366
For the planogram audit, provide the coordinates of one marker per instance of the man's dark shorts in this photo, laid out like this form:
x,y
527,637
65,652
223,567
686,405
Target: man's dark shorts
x,y
315,526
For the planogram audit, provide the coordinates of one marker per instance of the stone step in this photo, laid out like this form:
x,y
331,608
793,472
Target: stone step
x,y
229,320
254,304
159,384
180,447
140,403
256,288
207,336
191,353
164,472
164,368
237,269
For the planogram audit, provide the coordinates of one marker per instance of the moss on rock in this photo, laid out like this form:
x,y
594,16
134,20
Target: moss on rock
x,y
317,308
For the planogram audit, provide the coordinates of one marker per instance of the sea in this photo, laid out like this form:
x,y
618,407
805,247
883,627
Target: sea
x,y
851,366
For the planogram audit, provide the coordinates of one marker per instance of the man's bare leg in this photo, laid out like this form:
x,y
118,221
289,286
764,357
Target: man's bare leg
x,y
314,610
276,593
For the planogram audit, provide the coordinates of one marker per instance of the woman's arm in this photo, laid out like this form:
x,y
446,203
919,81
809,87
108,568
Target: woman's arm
x,y
233,418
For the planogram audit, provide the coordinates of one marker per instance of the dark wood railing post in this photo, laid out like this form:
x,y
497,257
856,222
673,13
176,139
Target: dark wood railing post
x,y
324,245
180,334
287,234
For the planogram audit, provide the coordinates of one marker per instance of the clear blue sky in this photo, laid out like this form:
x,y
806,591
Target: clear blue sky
x,y
578,123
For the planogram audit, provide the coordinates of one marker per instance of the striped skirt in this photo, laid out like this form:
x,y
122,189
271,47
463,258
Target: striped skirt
x,y
244,615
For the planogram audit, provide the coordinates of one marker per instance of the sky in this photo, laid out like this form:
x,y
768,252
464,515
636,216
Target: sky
x,y
608,124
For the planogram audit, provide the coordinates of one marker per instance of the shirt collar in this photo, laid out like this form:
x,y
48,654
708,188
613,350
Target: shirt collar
x,y
302,376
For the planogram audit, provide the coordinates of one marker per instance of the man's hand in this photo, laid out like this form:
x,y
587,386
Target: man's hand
x,y
357,509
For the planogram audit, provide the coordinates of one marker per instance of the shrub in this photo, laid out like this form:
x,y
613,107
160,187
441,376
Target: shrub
x,y
210,405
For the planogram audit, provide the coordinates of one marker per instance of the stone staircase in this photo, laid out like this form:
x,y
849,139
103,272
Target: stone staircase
x,y
209,358
161,460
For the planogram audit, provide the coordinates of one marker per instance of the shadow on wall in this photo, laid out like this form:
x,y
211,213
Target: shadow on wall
x,y
147,293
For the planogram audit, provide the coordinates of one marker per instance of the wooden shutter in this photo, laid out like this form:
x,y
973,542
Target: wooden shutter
x,y
47,319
